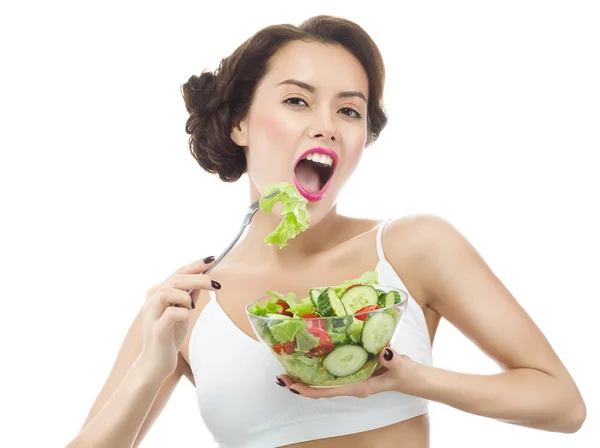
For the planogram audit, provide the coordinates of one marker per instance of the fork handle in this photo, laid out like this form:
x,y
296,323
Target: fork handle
x,y
226,251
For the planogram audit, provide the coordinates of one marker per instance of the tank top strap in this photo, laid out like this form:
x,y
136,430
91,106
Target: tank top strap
x,y
380,253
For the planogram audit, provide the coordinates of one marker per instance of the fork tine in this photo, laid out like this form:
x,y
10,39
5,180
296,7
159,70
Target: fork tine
x,y
255,205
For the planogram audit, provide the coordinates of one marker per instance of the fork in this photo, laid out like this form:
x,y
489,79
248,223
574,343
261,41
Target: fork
x,y
254,207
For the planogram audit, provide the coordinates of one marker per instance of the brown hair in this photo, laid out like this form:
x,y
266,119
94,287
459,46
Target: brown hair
x,y
215,100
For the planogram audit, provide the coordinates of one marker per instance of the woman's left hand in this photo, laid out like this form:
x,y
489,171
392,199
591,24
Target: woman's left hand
x,y
397,373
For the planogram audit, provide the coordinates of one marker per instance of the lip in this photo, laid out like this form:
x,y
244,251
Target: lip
x,y
314,197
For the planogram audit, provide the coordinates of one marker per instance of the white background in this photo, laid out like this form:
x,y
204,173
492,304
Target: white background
x,y
494,125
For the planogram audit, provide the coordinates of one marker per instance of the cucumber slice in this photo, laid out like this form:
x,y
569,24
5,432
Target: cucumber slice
x,y
377,331
329,304
388,299
355,337
354,330
355,326
314,296
358,297
345,360
381,299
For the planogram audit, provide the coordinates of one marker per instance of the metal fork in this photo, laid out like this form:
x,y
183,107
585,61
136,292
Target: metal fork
x,y
254,207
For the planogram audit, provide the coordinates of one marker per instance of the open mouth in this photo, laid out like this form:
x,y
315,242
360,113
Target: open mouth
x,y
313,173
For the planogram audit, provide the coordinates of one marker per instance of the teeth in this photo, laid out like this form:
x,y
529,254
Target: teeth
x,y
323,159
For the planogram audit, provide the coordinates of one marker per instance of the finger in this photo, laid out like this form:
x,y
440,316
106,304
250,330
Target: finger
x,y
325,392
166,297
356,390
389,358
173,297
196,267
185,282
170,317
286,379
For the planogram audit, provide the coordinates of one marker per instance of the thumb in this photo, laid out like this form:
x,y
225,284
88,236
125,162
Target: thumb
x,y
390,359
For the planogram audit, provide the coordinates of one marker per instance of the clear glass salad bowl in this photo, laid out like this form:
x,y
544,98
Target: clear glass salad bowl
x,y
333,337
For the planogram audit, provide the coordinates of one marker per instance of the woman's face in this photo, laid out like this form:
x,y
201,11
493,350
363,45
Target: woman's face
x,y
311,102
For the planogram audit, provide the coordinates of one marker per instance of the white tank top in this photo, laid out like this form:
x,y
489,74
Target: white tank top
x,y
242,406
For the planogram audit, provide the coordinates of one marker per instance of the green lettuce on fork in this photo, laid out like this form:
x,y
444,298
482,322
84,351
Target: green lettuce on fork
x,y
295,216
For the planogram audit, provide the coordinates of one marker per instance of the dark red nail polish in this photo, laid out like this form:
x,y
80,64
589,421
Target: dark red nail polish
x,y
388,354
295,391
215,284
209,259
193,304
280,382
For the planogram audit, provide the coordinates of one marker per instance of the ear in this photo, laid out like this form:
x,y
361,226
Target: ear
x,y
239,132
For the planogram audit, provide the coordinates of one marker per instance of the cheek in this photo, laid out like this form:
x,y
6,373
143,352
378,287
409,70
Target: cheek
x,y
356,146
272,128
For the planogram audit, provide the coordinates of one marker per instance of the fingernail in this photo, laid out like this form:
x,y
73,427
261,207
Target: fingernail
x,y
280,382
193,305
215,284
388,354
209,259
295,391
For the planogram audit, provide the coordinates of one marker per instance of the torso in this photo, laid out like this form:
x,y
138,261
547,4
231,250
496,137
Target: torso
x,y
356,255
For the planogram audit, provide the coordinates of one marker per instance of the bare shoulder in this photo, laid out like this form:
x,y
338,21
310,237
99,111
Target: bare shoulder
x,y
421,228
412,241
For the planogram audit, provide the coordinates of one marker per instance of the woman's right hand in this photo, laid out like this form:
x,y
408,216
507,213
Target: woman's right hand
x,y
166,314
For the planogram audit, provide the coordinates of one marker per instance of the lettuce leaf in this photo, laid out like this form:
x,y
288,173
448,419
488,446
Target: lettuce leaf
x,y
295,216
289,298
305,341
301,308
287,330
269,308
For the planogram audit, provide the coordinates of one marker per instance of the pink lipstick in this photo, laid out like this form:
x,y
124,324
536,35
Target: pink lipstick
x,y
314,197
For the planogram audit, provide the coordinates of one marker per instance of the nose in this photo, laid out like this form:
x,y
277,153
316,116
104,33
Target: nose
x,y
325,130
325,135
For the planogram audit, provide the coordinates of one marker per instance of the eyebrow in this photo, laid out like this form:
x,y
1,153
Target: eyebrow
x,y
312,89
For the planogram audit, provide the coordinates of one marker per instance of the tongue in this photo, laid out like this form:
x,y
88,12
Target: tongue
x,y
307,176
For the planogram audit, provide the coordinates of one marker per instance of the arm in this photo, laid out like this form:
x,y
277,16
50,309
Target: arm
x,y
149,364
534,389
131,399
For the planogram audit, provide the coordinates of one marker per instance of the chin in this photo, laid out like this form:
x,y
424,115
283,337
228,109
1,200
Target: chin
x,y
319,210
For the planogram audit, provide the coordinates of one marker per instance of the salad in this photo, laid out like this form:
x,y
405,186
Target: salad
x,y
295,216
332,336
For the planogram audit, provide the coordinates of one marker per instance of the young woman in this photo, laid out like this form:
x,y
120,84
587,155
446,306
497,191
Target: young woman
x,y
285,93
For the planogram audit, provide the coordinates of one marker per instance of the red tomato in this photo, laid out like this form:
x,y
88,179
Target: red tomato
x,y
314,323
287,347
366,309
350,287
325,345
284,308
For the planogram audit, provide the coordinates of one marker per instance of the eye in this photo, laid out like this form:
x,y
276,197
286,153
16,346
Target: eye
x,y
294,101
351,113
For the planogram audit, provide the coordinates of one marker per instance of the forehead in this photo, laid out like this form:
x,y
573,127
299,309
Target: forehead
x,y
328,67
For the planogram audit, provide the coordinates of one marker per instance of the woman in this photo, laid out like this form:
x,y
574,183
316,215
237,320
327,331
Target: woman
x,y
286,91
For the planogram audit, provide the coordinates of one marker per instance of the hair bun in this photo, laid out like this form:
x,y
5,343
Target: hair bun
x,y
200,94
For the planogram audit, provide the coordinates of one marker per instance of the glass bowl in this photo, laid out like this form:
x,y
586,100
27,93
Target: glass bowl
x,y
336,350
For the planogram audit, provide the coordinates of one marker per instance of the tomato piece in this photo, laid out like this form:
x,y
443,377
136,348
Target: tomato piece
x,y
325,344
366,309
352,286
287,347
284,308
314,323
